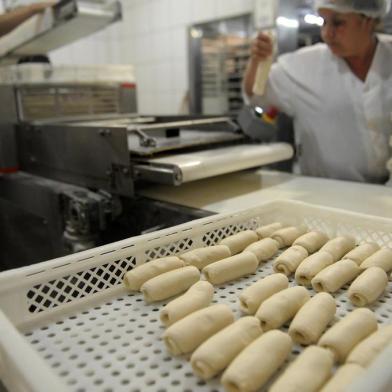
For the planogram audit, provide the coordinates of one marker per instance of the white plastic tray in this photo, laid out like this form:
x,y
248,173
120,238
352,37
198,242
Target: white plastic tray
x,y
84,332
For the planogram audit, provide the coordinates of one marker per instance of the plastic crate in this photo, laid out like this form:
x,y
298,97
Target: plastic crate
x,y
69,324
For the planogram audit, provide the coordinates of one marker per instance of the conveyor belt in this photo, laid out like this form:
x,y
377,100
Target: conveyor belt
x,y
182,168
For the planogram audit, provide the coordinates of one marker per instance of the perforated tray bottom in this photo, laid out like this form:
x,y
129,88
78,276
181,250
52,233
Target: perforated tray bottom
x,y
117,346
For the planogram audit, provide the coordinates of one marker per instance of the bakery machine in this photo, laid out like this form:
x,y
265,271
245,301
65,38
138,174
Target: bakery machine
x,y
75,152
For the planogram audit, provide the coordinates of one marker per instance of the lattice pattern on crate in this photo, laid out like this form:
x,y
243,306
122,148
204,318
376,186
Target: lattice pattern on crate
x,y
313,223
169,249
61,291
213,237
365,234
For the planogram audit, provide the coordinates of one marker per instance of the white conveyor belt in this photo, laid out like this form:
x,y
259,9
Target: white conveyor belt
x,y
209,163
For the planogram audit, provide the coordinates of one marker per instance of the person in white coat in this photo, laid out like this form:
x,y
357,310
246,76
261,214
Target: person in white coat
x,y
339,92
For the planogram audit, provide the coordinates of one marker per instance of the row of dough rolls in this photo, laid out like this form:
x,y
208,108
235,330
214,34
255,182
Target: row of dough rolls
x,y
308,373
231,268
362,355
201,257
368,286
335,276
169,284
188,333
312,319
382,258
134,279
216,353
198,296
253,296
257,363
281,307
343,336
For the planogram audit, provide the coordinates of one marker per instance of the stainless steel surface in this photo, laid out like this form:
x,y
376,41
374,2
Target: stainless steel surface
x,y
85,156
66,22
236,191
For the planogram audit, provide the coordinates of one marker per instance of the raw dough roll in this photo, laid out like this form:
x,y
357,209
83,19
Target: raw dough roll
x,y
216,353
362,252
288,235
197,297
134,279
343,378
312,319
170,283
253,367
267,230
312,241
233,267
335,276
188,333
368,286
382,258
311,266
201,257
281,307
365,352
238,242
308,373
263,249
339,246
252,297
342,337
290,259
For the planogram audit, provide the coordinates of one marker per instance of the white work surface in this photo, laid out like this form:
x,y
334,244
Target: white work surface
x,y
248,189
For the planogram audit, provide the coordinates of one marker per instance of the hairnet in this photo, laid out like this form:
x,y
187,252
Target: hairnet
x,y
371,8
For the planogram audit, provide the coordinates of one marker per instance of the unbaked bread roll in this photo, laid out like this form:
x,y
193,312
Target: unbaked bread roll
x,y
233,267
308,373
170,283
335,276
312,241
362,252
382,258
339,246
201,257
312,319
252,297
368,286
281,307
288,235
342,337
238,242
267,230
134,279
311,266
197,297
343,378
216,353
365,352
290,259
187,334
256,364
263,249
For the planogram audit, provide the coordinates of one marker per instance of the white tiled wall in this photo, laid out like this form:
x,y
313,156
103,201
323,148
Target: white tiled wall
x,y
153,37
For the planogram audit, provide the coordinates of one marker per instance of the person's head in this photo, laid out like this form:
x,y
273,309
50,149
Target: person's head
x,y
349,25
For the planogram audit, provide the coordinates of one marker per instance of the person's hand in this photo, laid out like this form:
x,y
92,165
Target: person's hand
x,y
262,48
36,8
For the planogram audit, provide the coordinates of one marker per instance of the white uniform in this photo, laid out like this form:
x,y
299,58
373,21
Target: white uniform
x,y
342,124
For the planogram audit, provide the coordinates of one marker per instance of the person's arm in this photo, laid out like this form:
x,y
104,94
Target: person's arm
x,y
14,18
261,49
